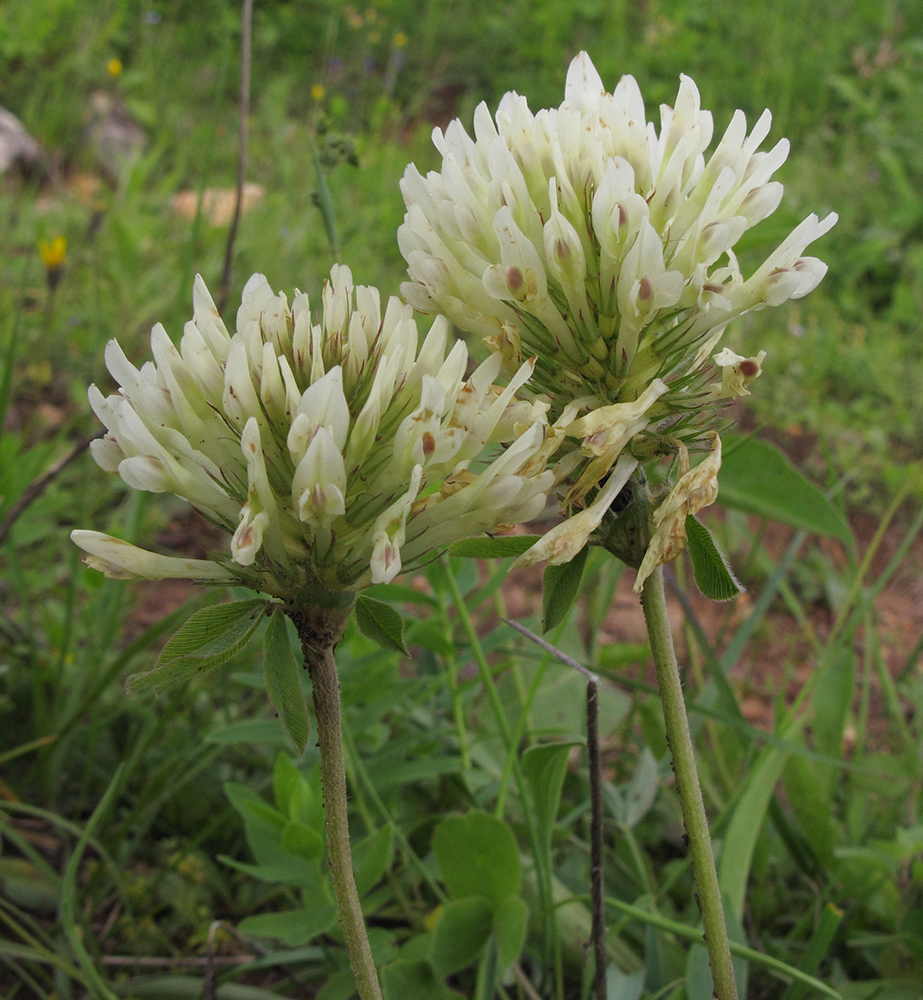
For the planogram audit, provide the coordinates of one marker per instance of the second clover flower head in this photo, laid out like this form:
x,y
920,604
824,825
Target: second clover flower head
x,y
602,245
334,449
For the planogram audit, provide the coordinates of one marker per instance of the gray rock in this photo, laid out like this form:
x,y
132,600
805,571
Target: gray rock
x,y
18,150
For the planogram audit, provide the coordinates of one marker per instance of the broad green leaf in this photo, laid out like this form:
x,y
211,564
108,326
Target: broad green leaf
x,y
756,477
560,587
630,803
500,547
458,938
713,576
747,820
294,873
371,857
208,639
302,840
381,623
283,683
414,980
477,856
285,779
511,923
294,927
544,767
622,986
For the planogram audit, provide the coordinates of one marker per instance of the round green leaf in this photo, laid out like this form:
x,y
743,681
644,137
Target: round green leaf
x,y
477,856
460,934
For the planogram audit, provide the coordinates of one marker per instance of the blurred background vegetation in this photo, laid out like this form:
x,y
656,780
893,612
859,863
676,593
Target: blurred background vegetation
x,y
133,106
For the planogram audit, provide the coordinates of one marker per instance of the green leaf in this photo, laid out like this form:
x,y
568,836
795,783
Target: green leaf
x,y
414,980
511,922
756,477
371,857
283,683
477,856
630,803
493,548
302,840
294,927
544,767
560,587
380,623
324,199
459,936
713,576
747,819
208,639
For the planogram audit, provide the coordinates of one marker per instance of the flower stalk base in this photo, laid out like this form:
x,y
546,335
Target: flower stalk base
x,y
679,740
320,630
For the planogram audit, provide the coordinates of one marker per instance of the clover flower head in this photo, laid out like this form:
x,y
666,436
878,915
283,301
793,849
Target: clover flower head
x,y
335,450
584,235
603,245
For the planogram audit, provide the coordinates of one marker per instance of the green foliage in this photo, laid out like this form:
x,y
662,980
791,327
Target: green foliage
x,y
758,478
283,682
380,623
207,640
713,576
816,808
560,588
287,842
479,863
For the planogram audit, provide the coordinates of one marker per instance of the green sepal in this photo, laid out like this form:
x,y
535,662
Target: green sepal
x,y
205,641
381,623
713,576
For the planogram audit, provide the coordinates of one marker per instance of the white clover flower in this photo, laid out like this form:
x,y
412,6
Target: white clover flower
x,y
585,236
588,237
335,452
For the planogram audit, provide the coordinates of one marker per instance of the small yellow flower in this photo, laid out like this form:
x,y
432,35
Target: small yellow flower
x,y
53,254
114,67
317,92
401,40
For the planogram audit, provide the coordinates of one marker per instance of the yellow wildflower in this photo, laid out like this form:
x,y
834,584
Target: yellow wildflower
x,y
53,254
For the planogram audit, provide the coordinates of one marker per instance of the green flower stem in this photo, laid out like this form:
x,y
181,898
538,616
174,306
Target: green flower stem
x,y
669,683
320,630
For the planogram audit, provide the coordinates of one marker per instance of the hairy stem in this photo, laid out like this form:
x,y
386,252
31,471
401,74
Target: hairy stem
x,y
320,630
669,684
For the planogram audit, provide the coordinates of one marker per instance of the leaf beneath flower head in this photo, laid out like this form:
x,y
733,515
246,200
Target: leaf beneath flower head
x,y
381,623
493,548
284,684
208,639
712,573
560,587
757,478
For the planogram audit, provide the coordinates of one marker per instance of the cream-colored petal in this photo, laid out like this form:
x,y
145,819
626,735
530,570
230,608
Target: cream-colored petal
x,y
120,560
565,540
695,489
